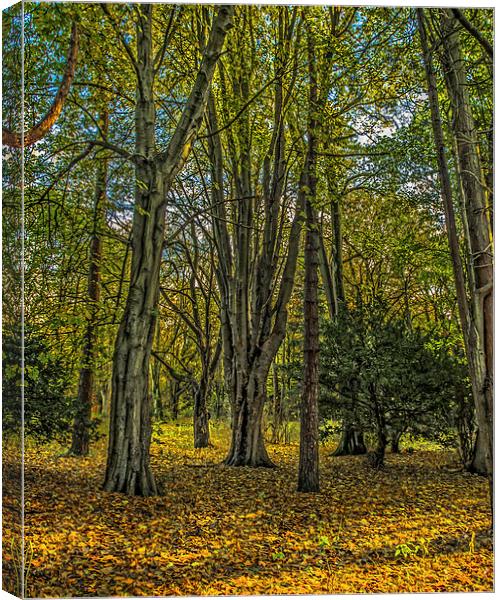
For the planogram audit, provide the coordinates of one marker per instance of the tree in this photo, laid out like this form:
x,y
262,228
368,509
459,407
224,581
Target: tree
x,y
192,296
128,469
393,379
47,406
308,480
475,310
169,244
462,19
84,401
480,253
256,266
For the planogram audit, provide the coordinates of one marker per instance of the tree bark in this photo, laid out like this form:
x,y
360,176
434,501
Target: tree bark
x,y
200,413
395,439
155,374
470,317
277,411
174,399
80,442
377,457
337,257
40,130
351,442
308,480
328,280
200,418
479,462
128,466
481,330
247,440
309,416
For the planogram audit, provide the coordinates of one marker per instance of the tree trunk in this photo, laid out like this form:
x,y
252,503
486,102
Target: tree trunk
x,y
337,257
247,441
395,439
219,399
80,441
128,468
174,399
481,331
352,442
254,289
309,416
277,407
328,280
377,458
200,412
200,417
479,462
475,325
155,388
104,398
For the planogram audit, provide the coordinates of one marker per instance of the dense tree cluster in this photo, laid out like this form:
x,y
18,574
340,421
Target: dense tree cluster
x,y
383,377
208,186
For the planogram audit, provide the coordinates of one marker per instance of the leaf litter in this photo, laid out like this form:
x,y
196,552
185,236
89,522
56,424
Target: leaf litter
x,y
415,526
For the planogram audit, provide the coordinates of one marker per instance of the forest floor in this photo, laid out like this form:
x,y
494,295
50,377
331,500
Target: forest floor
x,y
418,525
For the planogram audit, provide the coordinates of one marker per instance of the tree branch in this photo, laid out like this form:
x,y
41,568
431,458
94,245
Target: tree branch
x,y
466,24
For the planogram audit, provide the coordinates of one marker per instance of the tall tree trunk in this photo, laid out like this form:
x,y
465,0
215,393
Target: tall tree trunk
x,y
308,480
128,466
468,314
329,284
254,291
337,256
174,399
309,415
277,414
445,181
155,373
481,331
395,440
479,462
219,399
377,457
200,413
80,440
351,441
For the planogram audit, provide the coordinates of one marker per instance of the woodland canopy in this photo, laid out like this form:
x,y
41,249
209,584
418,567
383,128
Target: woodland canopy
x,y
253,236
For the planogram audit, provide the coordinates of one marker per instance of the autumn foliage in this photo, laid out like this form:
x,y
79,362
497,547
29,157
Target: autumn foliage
x,y
418,525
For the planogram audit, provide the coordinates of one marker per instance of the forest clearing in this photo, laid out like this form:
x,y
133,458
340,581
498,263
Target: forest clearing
x,y
418,525
247,299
